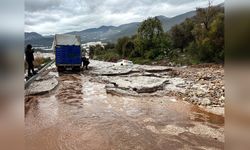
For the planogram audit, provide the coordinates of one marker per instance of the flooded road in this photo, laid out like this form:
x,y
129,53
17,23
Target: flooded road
x,y
80,115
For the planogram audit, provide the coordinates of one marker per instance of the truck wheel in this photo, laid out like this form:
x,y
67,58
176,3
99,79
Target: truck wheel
x,y
60,68
78,68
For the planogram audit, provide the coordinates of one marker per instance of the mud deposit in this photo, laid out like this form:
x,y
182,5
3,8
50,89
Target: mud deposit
x,y
80,115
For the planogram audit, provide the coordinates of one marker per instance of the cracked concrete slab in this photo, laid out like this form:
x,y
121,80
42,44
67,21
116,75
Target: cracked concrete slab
x,y
137,84
112,69
42,86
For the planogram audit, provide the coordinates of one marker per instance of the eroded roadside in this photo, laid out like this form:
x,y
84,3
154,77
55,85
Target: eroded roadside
x,y
121,107
201,85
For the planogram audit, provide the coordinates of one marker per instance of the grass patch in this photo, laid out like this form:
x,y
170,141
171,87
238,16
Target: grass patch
x,y
39,62
108,55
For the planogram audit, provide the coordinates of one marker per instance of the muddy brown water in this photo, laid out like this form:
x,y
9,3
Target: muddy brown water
x,y
79,115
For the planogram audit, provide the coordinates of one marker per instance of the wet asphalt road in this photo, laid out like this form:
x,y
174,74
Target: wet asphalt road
x,y
80,115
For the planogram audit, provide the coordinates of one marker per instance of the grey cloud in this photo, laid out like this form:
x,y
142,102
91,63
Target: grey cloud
x,y
36,18
30,21
39,5
60,16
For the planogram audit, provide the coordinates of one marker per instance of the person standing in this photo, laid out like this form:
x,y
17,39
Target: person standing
x,y
29,59
85,62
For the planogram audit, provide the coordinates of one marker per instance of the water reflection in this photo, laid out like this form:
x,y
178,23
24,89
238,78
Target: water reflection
x,y
81,115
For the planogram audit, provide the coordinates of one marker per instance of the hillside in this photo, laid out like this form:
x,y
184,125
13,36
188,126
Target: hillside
x,y
107,33
168,23
37,40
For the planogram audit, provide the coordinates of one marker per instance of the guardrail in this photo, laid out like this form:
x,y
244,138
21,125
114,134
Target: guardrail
x,y
27,83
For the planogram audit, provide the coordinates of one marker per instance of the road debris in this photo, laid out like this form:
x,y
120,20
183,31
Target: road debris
x,y
144,110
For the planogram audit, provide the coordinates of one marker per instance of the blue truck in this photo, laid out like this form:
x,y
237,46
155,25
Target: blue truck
x,y
68,54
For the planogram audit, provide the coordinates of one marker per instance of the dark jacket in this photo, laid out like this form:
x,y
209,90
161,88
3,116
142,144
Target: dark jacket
x,y
85,60
29,55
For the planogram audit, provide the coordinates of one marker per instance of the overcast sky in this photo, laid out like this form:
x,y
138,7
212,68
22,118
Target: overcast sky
x,y
60,16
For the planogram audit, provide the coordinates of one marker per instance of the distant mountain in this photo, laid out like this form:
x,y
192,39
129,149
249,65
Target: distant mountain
x,y
32,35
37,40
112,33
108,33
162,17
168,23
221,5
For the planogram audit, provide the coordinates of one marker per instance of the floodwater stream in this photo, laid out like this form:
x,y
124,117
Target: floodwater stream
x,y
80,115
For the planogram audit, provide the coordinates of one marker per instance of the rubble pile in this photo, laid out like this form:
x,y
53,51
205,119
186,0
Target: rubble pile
x,y
200,84
206,86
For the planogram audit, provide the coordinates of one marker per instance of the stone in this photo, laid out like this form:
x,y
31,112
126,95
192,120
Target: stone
x,y
172,130
205,102
41,86
222,98
139,84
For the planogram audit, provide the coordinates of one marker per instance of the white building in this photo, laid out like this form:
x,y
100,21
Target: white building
x,y
87,45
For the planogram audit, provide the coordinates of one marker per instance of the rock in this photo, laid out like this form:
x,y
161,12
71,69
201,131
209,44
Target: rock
x,y
112,71
172,130
199,93
222,98
139,84
176,85
192,99
152,129
41,86
155,69
110,86
46,77
205,102
200,129
121,92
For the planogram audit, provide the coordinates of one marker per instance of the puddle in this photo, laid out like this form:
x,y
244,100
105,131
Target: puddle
x,y
81,115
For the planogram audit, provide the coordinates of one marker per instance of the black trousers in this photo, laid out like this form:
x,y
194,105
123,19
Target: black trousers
x,y
30,67
85,63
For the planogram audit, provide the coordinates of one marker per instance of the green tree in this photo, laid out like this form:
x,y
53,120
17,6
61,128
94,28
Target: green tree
x,y
209,46
125,46
150,41
98,50
205,16
109,46
128,48
91,52
216,35
181,35
120,45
